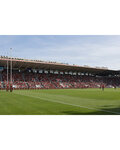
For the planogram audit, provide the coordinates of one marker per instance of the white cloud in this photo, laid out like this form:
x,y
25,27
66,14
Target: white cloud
x,y
81,50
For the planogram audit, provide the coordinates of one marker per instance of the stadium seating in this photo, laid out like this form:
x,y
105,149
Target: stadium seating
x,y
57,81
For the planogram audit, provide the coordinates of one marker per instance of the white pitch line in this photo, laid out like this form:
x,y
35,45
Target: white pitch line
x,y
56,101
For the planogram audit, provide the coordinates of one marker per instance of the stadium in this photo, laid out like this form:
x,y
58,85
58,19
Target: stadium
x,y
52,88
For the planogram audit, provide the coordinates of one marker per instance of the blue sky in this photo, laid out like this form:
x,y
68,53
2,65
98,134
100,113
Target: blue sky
x,y
81,50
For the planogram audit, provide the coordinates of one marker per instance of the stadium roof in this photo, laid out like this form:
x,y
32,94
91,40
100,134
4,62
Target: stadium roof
x,y
37,64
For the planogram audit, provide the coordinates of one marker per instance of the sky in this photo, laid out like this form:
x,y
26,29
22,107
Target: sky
x,y
91,50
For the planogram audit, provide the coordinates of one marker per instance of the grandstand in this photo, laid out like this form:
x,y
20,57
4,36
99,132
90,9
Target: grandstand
x,y
36,74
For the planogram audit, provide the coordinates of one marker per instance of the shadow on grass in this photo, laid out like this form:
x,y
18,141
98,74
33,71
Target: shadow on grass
x,y
108,111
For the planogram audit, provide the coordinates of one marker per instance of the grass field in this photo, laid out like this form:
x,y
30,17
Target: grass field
x,y
60,102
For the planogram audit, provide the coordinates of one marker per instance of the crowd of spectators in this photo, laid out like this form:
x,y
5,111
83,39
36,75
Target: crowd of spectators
x,y
56,81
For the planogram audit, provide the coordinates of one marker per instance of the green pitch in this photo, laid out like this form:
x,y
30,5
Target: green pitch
x,y
60,102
